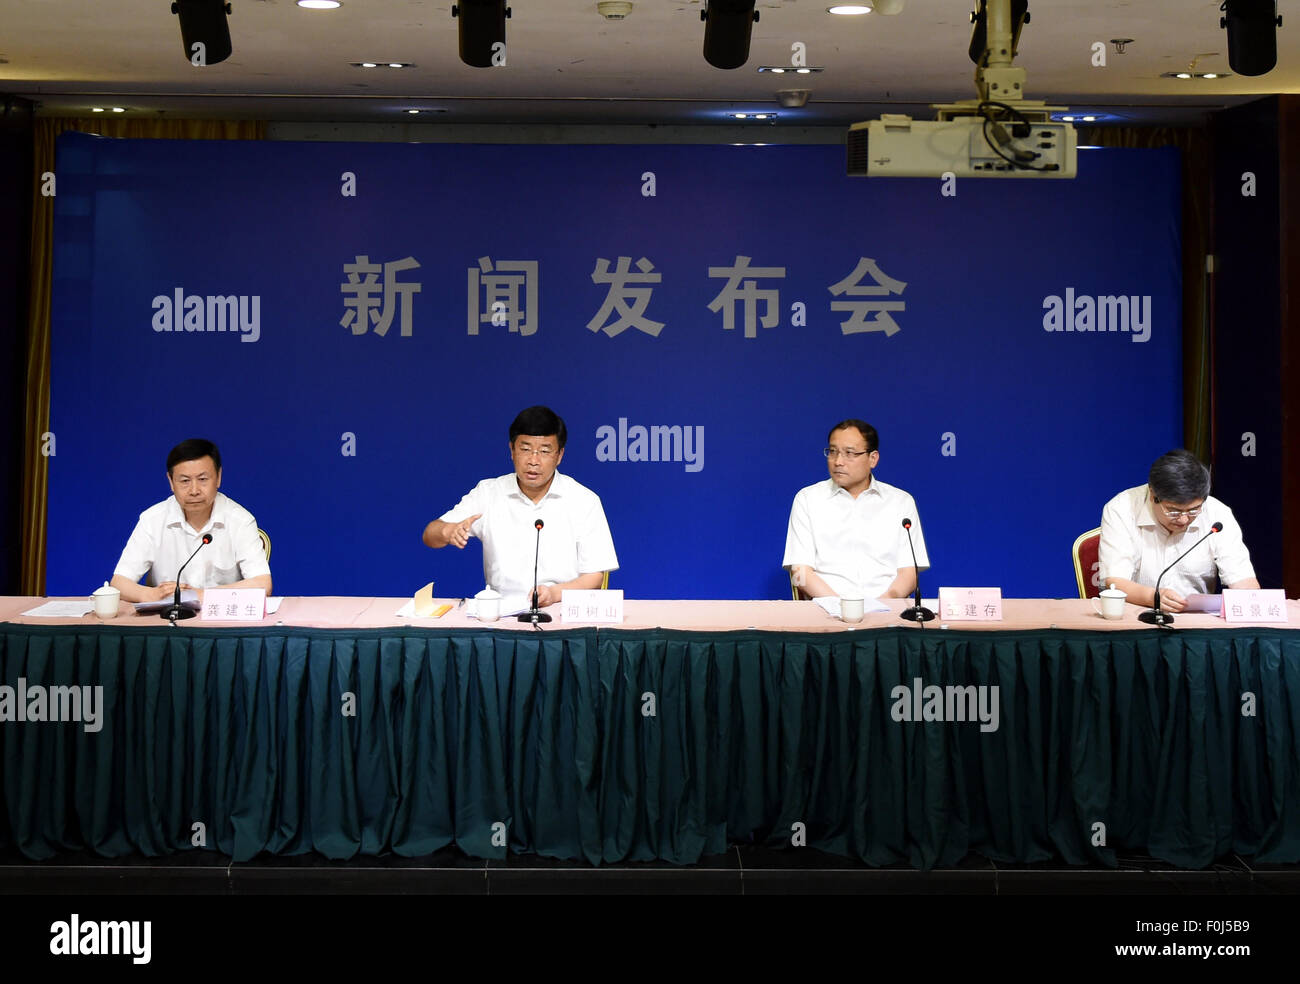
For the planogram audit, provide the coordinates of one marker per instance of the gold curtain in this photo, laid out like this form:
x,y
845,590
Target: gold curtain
x,y
36,417
1197,200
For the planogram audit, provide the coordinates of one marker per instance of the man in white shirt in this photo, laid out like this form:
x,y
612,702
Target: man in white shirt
x,y
846,535
1147,528
576,548
168,532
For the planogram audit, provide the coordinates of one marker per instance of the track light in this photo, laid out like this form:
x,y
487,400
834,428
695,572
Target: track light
x,y
204,31
727,27
1252,35
482,32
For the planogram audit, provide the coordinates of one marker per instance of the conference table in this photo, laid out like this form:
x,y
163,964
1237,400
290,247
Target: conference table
x,y
336,726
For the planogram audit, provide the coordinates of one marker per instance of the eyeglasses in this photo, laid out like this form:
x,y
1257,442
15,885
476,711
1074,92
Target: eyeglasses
x,y
1180,513
524,451
845,452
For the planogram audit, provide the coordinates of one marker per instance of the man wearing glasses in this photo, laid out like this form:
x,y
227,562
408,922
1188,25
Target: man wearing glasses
x,y
846,535
575,546
1145,529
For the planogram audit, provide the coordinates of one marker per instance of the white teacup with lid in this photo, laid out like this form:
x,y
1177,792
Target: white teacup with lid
x,y
487,605
106,600
1111,601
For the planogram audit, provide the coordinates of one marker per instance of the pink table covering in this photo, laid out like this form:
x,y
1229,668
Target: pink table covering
x,y
778,616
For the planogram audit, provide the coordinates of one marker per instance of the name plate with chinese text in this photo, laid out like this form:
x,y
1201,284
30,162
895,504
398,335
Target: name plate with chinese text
x,y
971,604
591,606
234,604
1254,605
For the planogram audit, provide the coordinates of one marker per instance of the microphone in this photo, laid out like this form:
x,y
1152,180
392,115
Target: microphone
x,y
1155,616
916,613
176,612
533,615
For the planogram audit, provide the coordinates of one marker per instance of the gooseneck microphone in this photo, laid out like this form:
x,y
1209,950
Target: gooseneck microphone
x,y
533,615
176,612
916,613
1154,616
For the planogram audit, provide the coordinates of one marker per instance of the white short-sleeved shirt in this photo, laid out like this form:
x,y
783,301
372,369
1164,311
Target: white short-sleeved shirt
x,y
162,540
856,546
1135,547
575,539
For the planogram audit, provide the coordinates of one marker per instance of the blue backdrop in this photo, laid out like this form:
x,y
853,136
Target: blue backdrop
x,y
344,440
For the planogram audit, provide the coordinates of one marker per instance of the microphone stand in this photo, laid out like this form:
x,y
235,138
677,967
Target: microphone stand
x,y
533,614
917,613
1154,615
177,612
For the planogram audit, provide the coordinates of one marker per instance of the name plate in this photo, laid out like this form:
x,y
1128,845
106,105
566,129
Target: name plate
x,y
591,606
970,604
1254,605
234,604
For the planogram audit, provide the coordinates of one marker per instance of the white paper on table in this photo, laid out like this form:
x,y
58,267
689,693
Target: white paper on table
x,y
831,606
1211,603
408,611
511,605
189,599
273,605
62,609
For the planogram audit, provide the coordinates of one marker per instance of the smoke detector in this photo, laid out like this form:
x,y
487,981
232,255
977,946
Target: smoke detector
x,y
614,10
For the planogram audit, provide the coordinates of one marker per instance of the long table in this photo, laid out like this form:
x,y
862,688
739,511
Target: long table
x,y
338,727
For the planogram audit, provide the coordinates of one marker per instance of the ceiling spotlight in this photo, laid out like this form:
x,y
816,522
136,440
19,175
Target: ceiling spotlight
x,y
613,10
204,31
319,4
1252,35
96,109
849,9
1195,75
753,116
118,109
482,31
784,69
727,28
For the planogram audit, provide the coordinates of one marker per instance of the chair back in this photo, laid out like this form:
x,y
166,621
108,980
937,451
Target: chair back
x,y
266,543
1087,572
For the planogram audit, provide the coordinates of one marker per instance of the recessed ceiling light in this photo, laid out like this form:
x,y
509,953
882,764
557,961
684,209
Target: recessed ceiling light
x,y
365,65
319,4
97,109
396,65
848,9
118,109
412,111
775,71
1067,119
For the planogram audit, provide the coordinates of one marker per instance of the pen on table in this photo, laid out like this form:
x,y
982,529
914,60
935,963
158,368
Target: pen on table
x,y
461,603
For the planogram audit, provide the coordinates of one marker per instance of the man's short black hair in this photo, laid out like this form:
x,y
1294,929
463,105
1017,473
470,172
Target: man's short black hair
x,y
192,450
865,429
539,422
1179,477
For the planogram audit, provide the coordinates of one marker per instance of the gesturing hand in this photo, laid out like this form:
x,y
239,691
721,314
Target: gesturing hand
x,y
459,534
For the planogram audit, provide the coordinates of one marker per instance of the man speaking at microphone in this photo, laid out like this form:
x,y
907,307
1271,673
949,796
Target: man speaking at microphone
x,y
169,532
845,536
573,549
1147,528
